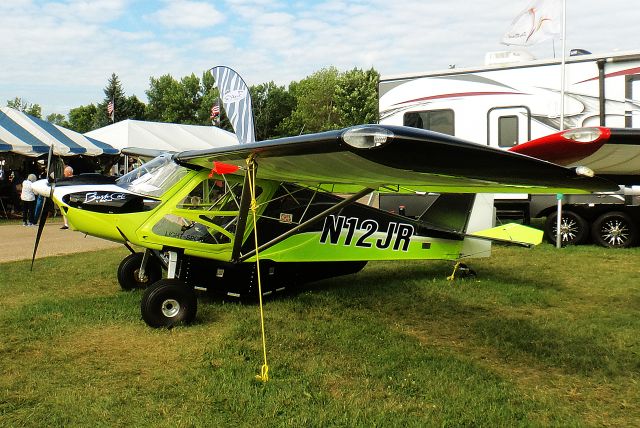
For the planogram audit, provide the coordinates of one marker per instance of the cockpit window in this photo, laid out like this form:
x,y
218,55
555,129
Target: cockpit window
x,y
153,178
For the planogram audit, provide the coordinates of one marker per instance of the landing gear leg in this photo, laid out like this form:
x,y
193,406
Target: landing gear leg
x,y
172,265
138,270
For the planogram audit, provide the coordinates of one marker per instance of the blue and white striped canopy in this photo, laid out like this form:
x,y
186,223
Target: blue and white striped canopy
x,y
30,136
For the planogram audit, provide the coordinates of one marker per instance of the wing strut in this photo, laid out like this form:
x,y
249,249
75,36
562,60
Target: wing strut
x,y
312,220
245,204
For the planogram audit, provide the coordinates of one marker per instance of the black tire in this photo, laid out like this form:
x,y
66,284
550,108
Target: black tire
x,y
167,303
574,230
614,230
128,272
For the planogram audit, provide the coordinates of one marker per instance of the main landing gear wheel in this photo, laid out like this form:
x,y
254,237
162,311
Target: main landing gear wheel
x,y
614,230
574,229
167,303
130,267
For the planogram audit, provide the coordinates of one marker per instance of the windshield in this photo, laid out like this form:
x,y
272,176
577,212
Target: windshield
x,y
153,178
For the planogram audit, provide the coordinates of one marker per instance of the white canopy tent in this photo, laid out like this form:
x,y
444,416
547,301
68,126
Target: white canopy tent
x,y
170,137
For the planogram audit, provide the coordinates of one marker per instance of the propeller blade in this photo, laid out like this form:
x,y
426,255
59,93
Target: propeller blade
x,y
46,206
44,214
49,177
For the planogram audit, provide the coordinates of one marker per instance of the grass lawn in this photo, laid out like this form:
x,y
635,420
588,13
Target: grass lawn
x,y
540,337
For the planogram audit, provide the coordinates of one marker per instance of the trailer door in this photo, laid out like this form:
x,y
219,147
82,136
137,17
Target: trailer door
x,y
508,126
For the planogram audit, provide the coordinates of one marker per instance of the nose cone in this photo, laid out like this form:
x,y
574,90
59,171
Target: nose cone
x,y
41,187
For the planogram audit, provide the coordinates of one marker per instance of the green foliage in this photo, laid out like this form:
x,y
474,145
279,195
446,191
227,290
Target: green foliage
x,y
113,92
356,97
541,337
161,95
186,101
57,119
209,96
315,104
81,118
272,104
25,107
134,108
327,99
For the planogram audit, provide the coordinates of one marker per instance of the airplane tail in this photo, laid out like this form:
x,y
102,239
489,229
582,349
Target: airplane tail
x,y
236,100
481,230
512,233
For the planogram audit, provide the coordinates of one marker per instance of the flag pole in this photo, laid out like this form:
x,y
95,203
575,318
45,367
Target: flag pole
x,y
562,90
563,63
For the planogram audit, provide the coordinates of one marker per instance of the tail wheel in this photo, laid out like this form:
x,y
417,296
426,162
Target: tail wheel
x,y
129,269
574,229
614,230
167,303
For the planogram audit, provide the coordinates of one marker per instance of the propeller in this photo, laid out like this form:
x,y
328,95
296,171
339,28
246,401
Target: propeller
x,y
46,207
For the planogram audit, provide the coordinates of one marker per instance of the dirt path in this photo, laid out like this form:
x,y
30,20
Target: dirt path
x,y
16,242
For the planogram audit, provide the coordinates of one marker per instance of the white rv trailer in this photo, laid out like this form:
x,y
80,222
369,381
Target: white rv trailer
x,y
514,99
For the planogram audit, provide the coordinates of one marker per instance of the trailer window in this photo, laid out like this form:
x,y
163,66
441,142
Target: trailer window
x,y
434,120
507,131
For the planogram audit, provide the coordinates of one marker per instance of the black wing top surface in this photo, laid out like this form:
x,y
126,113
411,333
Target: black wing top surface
x,y
407,157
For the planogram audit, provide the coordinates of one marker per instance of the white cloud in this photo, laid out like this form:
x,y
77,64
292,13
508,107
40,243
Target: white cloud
x,y
187,14
93,11
215,44
60,53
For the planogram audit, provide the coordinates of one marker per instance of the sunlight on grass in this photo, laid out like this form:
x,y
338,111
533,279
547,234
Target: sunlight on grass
x,y
540,337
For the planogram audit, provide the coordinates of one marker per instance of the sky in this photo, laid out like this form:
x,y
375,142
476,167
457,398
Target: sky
x,y
60,53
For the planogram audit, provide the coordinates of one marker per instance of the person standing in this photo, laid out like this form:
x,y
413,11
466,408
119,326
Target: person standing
x,y
68,172
28,201
39,198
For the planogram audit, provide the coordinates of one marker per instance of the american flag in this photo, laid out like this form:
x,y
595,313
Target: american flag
x,y
111,109
215,110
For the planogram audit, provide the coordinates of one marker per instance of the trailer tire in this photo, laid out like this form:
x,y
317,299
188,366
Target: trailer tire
x,y
614,230
574,229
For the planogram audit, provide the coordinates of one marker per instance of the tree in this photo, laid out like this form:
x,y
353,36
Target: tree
x,y
356,97
25,107
81,119
134,108
210,95
176,102
272,104
190,100
160,94
124,107
58,119
314,110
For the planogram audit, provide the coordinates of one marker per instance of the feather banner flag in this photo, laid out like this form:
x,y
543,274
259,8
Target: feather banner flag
x,y
236,100
539,21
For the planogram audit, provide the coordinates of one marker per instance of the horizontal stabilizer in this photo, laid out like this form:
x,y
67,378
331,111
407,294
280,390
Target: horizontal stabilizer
x,y
512,233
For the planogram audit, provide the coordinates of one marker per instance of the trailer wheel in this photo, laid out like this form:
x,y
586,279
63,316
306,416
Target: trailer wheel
x,y
167,303
574,230
614,230
129,268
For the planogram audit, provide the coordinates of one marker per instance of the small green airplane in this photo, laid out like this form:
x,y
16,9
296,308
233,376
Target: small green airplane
x,y
294,207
